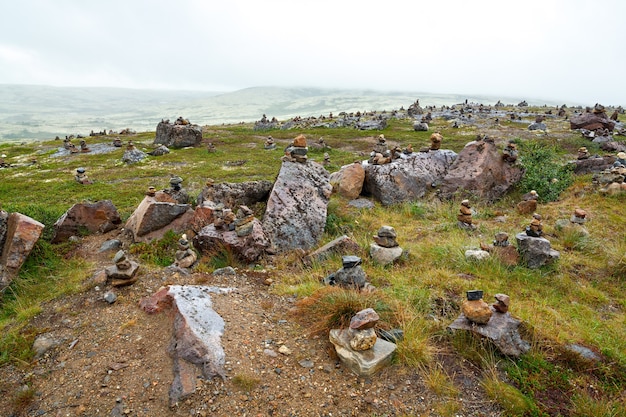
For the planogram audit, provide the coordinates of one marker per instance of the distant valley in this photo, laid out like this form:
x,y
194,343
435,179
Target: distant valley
x,y
30,113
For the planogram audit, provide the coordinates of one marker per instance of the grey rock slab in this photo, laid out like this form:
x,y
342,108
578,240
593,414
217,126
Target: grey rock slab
x,y
535,251
362,363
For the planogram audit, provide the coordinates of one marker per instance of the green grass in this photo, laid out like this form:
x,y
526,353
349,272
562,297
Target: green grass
x,y
581,299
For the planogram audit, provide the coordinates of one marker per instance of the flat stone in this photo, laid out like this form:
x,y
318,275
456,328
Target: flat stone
x,y
361,203
363,363
342,245
364,319
502,330
476,255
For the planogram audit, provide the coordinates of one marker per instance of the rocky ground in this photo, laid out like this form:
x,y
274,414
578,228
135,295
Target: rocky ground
x,y
112,359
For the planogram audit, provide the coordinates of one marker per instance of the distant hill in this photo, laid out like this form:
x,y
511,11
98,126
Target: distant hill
x,y
29,112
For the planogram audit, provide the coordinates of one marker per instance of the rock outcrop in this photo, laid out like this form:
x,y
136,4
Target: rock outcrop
x,y
249,247
21,234
480,171
592,121
296,209
407,178
236,194
177,135
100,217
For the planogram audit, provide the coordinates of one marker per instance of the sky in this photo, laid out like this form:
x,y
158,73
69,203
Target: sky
x,y
560,50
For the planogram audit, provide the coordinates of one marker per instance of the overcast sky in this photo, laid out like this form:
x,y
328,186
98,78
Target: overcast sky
x,y
571,50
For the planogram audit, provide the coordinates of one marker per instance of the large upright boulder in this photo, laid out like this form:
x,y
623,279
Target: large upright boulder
x,y
22,233
480,171
177,135
407,178
101,216
157,214
348,181
296,210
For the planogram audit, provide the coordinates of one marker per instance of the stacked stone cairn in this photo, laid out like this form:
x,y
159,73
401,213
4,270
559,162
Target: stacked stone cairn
x,y
435,141
529,203
269,144
576,223
243,221
359,348
510,153
83,146
465,216
385,249
535,250
211,148
81,177
381,154
117,142
297,151
185,256
350,275
475,309
176,191
326,161
224,218
124,272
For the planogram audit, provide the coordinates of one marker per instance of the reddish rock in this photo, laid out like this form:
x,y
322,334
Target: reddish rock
x,y
348,181
508,255
300,141
22,233
527,207
479,171
592,121
364,319
95,217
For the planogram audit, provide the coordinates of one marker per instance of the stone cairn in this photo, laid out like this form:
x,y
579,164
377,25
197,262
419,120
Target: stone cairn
x,y
83,146
535,229
224,218
176,191
185,256
583,153
211,148
528,204
326,161
381,154
350,275
576,223
243,221
124,272
359,348
435,141
535,250
475,309
296,152
269,144
117,142
579,217
81,177
385,249
465,216
510,153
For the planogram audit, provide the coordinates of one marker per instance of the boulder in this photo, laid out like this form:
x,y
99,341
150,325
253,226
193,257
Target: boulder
x,y
501,329
156,215
372,124
537,126
97,217
476,255
348,181
590,165
233,195
177,135
535,251
198,329
592,121
248,248
132,156
4,224
479,171
296,209
22,233
407,178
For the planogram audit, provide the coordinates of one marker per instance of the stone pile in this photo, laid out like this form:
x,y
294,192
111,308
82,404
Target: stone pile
x,y
358,347
612,181
529,203
133,155
535,251
81,177
385,249
297,151
185,256
350,275
493,322
124,272
178,135
269,144
464,218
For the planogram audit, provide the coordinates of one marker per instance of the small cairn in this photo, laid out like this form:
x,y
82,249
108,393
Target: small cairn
x,y
510,153
381,146
326,161
535,250
176,191
502,303
211,148
475,309
583,153
83,146
408,150
576,223
359,348
465,216
124,272
385,249
297,151
435,141
185,256
81,177
350,275
535,229
528,204
244,221
224,218
269,144
117,142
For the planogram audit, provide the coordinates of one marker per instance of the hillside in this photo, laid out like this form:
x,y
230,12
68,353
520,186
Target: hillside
x,y
112,359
